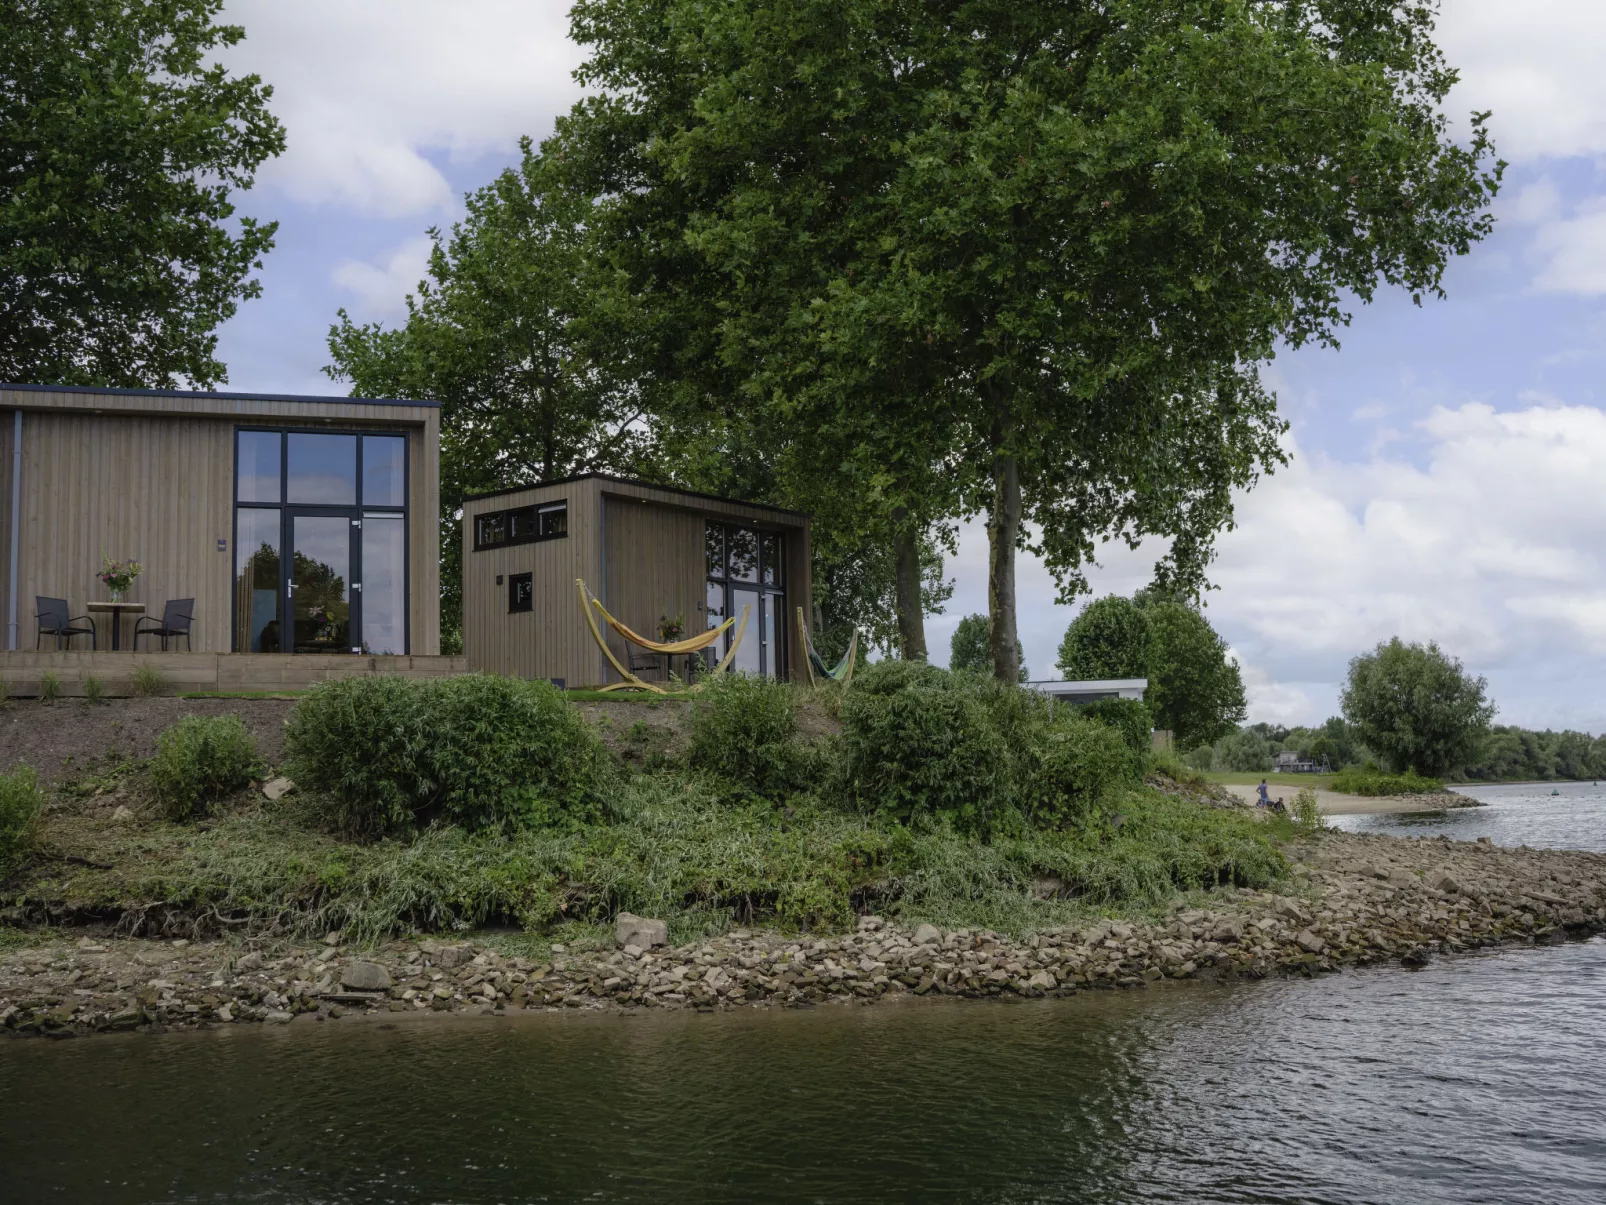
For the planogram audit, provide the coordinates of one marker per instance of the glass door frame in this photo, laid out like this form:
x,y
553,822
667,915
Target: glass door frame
x,y
288,510
287,560
776,650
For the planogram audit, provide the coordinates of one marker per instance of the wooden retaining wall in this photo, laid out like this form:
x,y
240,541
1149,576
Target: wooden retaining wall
x,y
22,673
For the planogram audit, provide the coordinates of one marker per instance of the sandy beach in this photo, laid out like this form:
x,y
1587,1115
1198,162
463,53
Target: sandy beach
x,y
1336,803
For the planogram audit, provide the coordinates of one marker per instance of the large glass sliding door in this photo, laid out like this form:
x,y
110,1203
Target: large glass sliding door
x,y
336,504
745,570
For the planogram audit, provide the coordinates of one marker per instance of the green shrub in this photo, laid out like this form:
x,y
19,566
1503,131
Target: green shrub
x,y
94,689
479,751
148,680
49,687
19,805
744,729
1079,762
1201,758
1368,780
920,744
1129,717
199,760
1305,813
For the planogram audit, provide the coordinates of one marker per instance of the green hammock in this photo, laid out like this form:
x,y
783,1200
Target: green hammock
x,y
817,667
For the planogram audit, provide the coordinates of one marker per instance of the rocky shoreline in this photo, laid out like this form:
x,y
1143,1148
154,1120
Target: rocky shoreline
x,y
1351,900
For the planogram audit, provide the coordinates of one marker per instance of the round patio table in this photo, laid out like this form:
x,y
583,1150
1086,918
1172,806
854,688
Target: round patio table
x,y
117,610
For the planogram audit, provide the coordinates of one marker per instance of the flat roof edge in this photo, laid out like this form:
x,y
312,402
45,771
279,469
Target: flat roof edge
x,y
646,485
218,397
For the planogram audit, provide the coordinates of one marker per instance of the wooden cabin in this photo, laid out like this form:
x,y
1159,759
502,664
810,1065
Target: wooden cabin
x,y
656,557
304,529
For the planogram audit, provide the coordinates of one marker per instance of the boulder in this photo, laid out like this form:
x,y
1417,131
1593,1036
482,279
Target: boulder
x,y
1310,942
365,977
1227,932
928,935
277,788
249,962
640,931
448,957
1042,981
1444,881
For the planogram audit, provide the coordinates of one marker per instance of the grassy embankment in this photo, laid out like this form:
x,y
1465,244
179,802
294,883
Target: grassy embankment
x,y
490,803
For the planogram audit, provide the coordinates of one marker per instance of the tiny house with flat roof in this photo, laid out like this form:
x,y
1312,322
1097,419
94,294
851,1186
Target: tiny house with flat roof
x,y
658,558
282,540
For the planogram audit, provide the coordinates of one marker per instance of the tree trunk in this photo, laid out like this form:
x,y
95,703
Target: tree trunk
x,y
1003,528
911,610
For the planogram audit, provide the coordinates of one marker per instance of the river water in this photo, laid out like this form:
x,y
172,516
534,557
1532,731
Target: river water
x,y
1550,815
1479,1079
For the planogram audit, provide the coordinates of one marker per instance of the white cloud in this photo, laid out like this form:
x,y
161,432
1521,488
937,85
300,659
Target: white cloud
x,y
1574,251
1537,65
382,285
368,91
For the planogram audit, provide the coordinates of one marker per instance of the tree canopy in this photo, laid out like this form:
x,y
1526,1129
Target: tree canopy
x,y
121,146
1195,689
1416,707
1110,638
1036,248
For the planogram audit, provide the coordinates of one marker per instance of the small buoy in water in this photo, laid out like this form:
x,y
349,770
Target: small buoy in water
x,y
1555,792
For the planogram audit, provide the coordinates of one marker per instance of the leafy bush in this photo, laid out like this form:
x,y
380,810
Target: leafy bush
x,y
94,689
480,751
1129,717
1109,639
1079,761
1369,780
1305,812
744,729
148,681
1202,758
1244,751
198,760
49,687
920,744
19,805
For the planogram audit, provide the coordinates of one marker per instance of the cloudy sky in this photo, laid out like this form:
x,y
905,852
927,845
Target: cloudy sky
x,y
1448,475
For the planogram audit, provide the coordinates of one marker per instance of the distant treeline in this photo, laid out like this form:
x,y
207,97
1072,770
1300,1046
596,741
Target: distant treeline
x,y
1506,752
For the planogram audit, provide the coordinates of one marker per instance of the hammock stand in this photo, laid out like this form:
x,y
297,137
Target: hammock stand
x,y
843,672
691,645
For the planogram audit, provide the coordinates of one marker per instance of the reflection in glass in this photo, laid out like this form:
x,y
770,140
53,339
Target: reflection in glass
x,y
258,477
384,471
774,634
714,549
749,655
716,616
744,555
256,581
772,559
320,599
323,469
384,581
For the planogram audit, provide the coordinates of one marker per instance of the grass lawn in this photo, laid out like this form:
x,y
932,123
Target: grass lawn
x,y
1274,782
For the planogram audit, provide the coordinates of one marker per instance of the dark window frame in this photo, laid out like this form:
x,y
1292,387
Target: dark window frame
x,y
723,580
542,515
288,510
514,581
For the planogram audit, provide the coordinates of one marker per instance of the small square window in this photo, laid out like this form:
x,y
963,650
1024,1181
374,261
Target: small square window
x,y
521,592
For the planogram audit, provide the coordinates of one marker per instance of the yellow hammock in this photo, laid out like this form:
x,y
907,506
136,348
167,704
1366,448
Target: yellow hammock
x,y
692,645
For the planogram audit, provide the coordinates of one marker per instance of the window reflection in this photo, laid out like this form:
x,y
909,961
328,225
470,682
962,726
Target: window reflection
x,y
256,581
323,469
258,475
384,581
714,549
384,470
772,559
743,555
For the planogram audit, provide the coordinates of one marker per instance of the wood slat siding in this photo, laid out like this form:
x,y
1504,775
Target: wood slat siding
x,y
7,421
22,672
639,547
152,478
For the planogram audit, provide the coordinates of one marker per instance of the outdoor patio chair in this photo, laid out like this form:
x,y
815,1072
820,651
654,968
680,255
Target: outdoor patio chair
x,y
54,621
175,622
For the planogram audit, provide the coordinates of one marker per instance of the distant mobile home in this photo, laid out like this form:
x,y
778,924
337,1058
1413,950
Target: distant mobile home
x,y
298,535
650,554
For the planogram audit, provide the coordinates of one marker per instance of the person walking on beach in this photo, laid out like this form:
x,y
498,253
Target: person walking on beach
x,y
1265,796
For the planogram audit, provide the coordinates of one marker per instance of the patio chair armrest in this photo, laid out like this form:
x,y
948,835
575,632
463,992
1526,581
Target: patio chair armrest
x,y
85,618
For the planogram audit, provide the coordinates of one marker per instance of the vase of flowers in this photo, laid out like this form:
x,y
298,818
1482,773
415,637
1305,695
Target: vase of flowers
x,y
671,628
118,575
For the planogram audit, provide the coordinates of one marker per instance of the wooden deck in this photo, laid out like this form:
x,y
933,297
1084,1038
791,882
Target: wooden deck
x,y
21,673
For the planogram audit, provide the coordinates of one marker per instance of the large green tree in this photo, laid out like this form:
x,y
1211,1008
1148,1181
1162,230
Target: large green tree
x,y
1417,707
520,336
1110,638
968,650
1063,235
1195,688
121,145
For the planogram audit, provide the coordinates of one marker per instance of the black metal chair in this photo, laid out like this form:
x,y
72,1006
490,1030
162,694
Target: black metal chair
x,y
54,620
175,622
